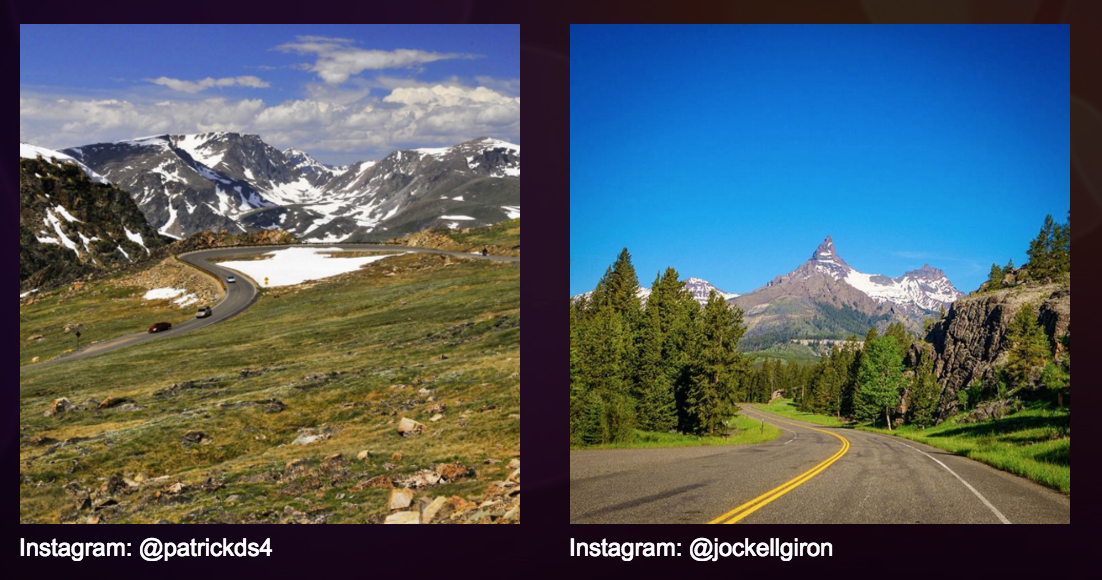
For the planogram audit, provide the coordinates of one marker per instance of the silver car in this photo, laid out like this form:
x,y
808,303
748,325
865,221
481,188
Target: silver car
x,y
204,312
231,279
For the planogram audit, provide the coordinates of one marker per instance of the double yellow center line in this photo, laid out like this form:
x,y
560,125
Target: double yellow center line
x,y
762,500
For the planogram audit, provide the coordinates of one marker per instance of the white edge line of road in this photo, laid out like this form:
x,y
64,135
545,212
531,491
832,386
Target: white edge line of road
x,y
997,513
794,434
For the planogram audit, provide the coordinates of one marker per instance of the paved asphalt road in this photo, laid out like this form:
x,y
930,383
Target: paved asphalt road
x,y
879,479
239,295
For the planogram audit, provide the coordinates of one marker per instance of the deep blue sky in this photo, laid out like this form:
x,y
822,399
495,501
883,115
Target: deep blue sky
x,y
730,152
90,57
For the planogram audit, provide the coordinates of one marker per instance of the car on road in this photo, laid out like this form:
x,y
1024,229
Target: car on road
x,y
231,279
160,327
204,312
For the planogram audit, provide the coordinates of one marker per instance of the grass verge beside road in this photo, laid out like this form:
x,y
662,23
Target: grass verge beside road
x,y
744,431
786,408
1034,443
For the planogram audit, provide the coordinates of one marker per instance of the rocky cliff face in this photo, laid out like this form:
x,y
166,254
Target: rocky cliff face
x,y
971,341
71,224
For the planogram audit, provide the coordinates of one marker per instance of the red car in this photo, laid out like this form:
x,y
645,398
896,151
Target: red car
x,y
160,327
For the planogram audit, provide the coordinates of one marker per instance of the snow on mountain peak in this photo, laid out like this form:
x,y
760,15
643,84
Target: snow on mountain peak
x,y
927,288
700,289
498,144
826,254
825,251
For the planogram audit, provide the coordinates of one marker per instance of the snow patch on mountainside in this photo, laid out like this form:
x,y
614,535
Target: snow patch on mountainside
x,y
136,238
928,294
162,293
194,145
297,265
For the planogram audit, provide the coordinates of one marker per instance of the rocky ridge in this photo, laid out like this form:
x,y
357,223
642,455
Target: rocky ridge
x,y
72,225
971,342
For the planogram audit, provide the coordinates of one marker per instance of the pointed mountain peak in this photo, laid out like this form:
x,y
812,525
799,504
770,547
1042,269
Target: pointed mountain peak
x,y
825,251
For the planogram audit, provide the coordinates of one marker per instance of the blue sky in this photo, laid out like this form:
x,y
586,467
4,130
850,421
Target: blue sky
x,y
730,152
342,92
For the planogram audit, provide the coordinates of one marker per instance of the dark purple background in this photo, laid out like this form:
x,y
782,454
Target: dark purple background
x,y
540,548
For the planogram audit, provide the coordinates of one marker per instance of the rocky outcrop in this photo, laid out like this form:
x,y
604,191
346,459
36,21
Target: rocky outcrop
x,y
970,342
207,240
72,226
170,273
444,240
500,504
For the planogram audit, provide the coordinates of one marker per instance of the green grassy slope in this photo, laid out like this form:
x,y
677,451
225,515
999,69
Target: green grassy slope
x,y
1034,443
346,359
786,408
744,431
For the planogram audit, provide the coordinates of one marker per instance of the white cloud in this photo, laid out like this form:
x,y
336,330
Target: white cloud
x,y
209,83
338,60
348,123
298,114
507,86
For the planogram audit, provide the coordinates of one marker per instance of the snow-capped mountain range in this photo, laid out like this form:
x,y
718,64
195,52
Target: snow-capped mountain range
x,y
226,181
699,289
926,288
827,298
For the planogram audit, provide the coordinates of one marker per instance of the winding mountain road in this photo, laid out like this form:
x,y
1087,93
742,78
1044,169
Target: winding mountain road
x,y
239,295
810,474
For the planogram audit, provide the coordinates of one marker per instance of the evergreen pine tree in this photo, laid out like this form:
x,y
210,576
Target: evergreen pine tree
x,y
1030,348
619,289
599,356
1061,247
902,338
591,426
994,278
1043,261
870,336
924,391
577,392
709,399
849,386
656,409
